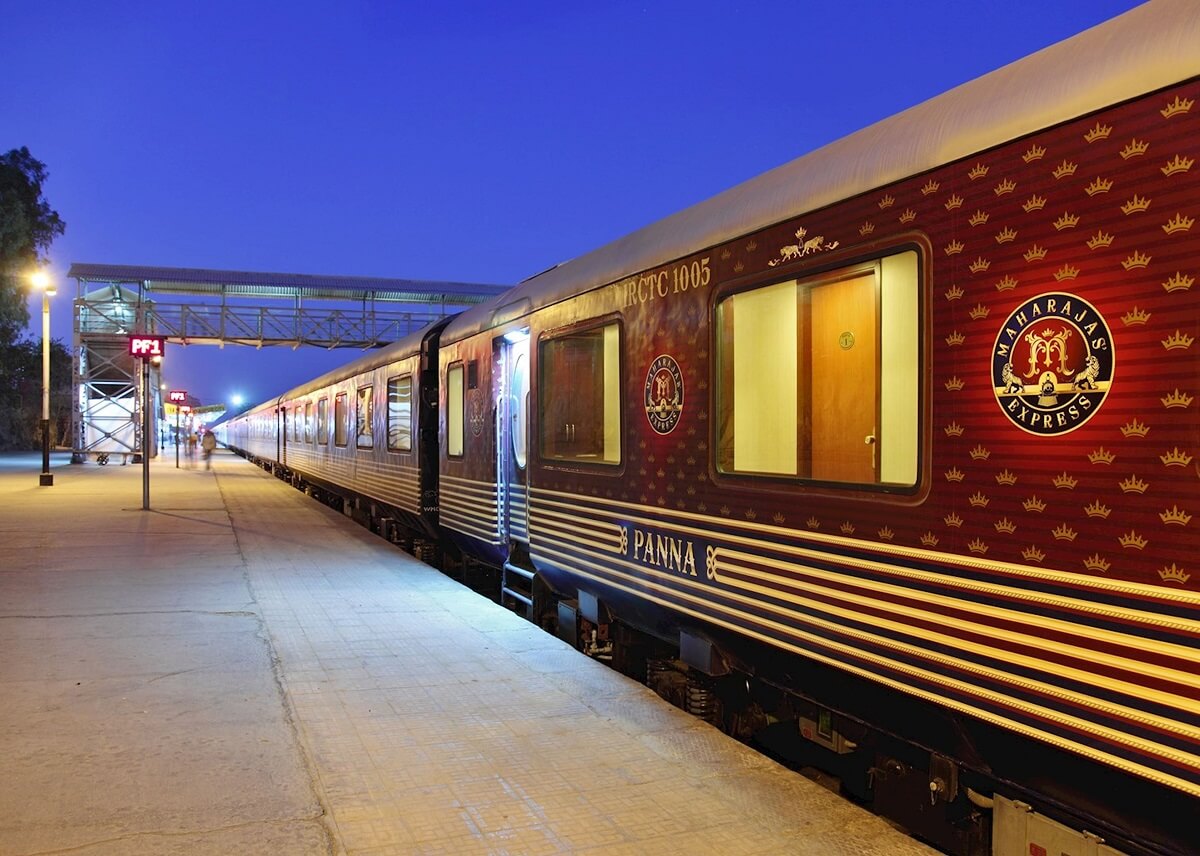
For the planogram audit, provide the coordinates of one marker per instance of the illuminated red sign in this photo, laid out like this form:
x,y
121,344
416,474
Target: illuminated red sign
x,y
177,396
147,347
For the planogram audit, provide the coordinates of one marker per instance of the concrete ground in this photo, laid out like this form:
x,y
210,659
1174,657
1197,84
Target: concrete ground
x,y
240,670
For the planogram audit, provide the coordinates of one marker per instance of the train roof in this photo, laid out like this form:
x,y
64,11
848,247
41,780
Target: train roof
x,y
1147,48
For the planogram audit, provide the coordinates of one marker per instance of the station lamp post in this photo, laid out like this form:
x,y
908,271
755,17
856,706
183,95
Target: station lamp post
x,y
41,280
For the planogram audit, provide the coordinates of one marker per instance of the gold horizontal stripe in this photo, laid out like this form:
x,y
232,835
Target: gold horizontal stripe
x,y
1075,604
1013,725
1171,596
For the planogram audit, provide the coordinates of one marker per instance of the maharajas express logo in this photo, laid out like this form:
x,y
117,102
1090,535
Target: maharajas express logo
x,y
1052,365
664,394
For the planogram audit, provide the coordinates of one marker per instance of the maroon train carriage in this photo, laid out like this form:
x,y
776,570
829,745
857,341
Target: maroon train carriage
x,y
888,459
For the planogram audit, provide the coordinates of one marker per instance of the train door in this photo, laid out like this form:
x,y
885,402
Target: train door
x,y
512,440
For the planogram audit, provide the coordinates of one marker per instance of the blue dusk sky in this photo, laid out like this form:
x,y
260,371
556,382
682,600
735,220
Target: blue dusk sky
x,y
465,141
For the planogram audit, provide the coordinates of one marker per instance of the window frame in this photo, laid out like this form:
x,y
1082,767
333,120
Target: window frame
x,y
461,367
369,422
322,435
538,384
406,376
842,268
340,423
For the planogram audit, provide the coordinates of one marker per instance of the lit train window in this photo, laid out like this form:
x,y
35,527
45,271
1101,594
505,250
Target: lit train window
x,y
454,410
365,418
579,396
308,426
399,414
819,378
322,421
339,419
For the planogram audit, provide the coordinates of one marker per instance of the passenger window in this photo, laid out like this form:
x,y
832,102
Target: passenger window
x,y
399,414
366,418
579,396
322,421
339,419
454,410
308,432
819,378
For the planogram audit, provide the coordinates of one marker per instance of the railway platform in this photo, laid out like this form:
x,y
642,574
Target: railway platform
x,y
240,669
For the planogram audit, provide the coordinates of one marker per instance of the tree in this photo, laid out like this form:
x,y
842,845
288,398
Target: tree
x,y
28,226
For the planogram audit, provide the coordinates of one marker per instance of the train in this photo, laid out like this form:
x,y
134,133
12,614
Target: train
x,y
887,460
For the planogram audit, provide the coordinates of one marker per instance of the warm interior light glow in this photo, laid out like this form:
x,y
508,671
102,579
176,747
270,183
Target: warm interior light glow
x,y
41,281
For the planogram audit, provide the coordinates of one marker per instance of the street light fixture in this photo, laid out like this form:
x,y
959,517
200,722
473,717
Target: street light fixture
x,y
41,280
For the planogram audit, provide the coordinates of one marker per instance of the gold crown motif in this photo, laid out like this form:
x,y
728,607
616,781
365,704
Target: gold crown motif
x,y
887,202
1065,481
1100,185
1006,284
1035,153
1101,456
751,514
1064,169
1137,203
953,430
976,545
1006,186
1034,505
1174,574
1179,282
1035,253
1033,554
847,528
954,474
953,520
978,218
979,312
929,539
751,246
931,186
739,267
954,292
1006,477
1135,317
1133,484
1175,517
954,248
1176,399
953,202
779,519
1177,164
1098,509
1100,239
1096,562
1034,203
978,171
1176,107
1100,132
978,500
979,265
1063,532
1178,341
1005,525
886,534
979,453
1175,458
908,215
1135,148
1133,541
1178,223
955,339
813,523
1135,428
1006,235
954,384
1066,272
866,228
1066,221
1137,260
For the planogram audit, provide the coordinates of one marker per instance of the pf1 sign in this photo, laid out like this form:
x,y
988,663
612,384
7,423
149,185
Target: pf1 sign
x,y
147,347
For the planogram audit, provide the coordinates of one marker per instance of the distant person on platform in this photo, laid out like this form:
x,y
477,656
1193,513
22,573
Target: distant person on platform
x,y
208,444
191,448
